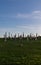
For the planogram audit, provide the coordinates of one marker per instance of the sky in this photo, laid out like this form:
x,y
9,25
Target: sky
x,y
18,16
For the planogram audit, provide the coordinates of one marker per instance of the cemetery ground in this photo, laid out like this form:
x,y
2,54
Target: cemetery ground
x,y
20,52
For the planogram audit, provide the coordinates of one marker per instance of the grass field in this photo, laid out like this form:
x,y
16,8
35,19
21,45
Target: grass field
x,y
20,52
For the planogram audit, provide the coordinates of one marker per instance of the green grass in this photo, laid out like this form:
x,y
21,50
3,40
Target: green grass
x,y
12,53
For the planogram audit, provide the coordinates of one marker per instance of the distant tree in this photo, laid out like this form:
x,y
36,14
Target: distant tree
x,y
27,37
36,36
15,36
9,35
30,36
23,34
18,35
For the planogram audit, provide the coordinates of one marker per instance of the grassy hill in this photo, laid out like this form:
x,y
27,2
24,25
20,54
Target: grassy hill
x,y
20,52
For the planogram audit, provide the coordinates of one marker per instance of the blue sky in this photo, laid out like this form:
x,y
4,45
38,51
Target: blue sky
x,y
20,16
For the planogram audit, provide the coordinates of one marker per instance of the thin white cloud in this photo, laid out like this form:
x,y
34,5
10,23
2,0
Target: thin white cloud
x,y
33,15
36,12
22,15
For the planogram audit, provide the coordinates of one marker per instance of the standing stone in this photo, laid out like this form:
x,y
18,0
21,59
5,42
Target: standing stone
x,y
5,36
